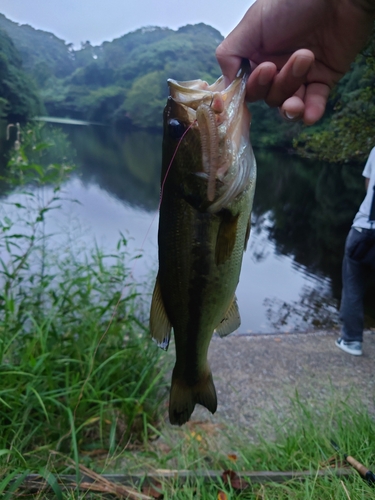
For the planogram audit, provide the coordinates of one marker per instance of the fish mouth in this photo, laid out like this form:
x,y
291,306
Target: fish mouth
x,y
222,119
193,93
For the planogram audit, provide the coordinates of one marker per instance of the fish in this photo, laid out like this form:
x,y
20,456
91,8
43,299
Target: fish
x,y
207,188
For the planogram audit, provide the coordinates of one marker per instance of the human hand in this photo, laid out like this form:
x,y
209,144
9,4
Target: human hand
x,y
298,51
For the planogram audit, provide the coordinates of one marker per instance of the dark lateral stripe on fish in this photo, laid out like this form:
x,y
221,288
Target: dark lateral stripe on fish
x,y
226,236
201,259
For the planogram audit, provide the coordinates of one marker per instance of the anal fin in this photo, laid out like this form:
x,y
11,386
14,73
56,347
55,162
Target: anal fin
x,y
231,320
160,326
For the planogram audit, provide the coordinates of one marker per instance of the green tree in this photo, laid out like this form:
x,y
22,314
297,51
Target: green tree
x,y
35,46
146,99
349,132
17,92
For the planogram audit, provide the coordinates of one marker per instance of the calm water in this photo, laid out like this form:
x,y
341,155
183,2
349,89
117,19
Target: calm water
x,y
302,212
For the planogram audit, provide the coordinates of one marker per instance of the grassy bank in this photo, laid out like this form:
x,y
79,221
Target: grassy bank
x,y
301,443
78,371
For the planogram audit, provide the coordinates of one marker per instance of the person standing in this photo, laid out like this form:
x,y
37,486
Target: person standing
x,y
359,256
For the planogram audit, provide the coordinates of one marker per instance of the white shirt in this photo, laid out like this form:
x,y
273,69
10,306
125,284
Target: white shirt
x,y
361,219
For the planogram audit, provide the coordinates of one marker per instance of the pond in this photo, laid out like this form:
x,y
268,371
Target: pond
x,y
291,273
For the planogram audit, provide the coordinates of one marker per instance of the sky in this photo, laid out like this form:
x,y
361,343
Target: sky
x,y
77,21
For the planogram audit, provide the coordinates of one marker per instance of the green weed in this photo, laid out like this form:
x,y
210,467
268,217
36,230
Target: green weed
x,y
78,371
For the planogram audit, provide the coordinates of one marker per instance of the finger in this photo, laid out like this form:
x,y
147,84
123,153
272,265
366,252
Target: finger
x,y
315,102
293,108
290,78
260,81
235,47
229,63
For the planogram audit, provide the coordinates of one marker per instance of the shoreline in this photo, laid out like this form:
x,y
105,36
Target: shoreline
x,y
335,331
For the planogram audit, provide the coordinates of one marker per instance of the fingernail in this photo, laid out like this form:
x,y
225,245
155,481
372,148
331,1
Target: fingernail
x,y
290,117
301,66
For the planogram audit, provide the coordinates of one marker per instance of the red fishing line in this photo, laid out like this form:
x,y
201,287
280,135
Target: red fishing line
x,y
163,183
170,164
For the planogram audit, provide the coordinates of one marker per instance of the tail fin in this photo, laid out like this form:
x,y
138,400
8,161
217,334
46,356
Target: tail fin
x,y
183,398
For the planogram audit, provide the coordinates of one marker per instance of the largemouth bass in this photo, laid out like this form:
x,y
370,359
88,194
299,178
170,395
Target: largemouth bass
x,y
208,181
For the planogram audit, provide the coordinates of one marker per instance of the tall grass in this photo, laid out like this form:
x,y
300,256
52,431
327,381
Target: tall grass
x,y
77,369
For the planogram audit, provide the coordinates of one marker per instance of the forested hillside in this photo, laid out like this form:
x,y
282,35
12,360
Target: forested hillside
x,y
124,82
18,94
119,81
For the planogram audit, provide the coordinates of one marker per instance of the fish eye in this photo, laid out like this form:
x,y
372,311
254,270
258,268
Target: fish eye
x,y
176,128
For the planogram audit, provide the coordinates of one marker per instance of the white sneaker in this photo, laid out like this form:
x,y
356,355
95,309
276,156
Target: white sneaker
x,y
354,347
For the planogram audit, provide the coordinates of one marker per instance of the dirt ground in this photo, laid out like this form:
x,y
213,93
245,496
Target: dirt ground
x,y
259,374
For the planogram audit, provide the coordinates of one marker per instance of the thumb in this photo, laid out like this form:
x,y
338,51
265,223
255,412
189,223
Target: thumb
x,y
228,62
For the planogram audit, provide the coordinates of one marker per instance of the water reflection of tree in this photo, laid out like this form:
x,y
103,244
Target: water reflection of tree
x,y
311,206
125,163
316,309
258,244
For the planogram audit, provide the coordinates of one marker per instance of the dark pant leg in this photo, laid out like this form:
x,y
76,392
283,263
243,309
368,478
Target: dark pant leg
x,y
353,279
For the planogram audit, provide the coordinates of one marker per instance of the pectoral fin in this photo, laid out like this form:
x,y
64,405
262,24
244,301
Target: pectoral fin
x,y
231,320
160,326
226,236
